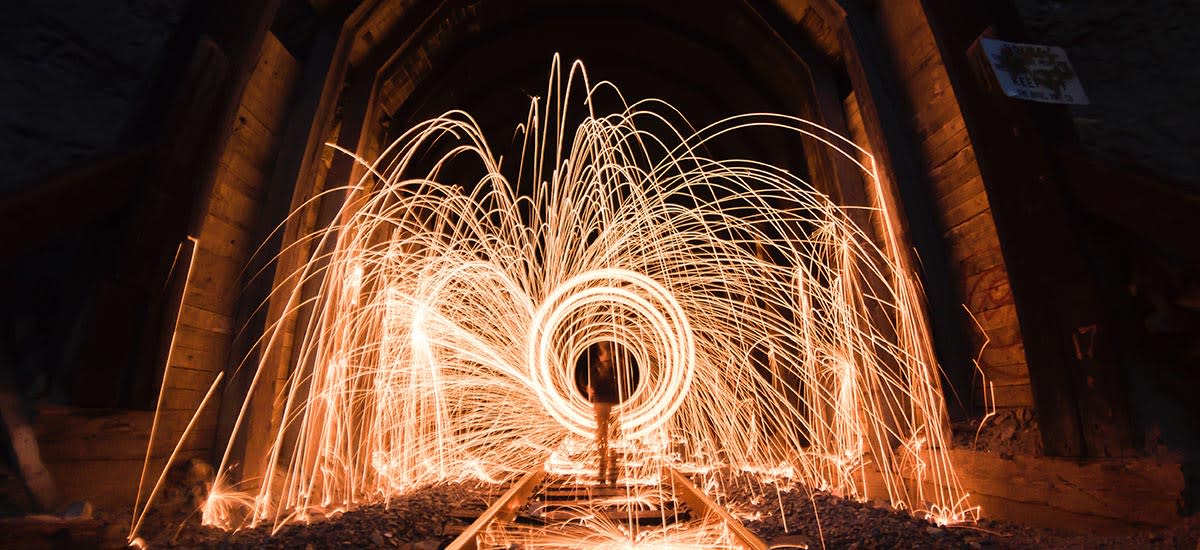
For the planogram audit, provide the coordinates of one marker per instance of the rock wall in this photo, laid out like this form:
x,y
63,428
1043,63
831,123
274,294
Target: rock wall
x,y
1137,62
75,74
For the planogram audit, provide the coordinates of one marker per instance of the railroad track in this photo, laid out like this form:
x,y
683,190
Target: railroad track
x,y
544,511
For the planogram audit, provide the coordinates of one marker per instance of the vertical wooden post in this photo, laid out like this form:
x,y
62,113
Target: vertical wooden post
x,y
294,180
895,155
1073,364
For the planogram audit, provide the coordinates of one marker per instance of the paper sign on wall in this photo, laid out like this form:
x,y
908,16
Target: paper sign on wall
x,y
1034,72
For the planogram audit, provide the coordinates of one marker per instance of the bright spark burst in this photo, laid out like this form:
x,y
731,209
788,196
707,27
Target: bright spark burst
x,y
770,332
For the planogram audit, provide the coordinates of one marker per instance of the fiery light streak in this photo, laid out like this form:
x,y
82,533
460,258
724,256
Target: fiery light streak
x,y
770,332
139,518
135,517
989,387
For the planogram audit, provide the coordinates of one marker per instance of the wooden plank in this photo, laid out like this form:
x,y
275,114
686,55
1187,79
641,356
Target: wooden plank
x,y
251,139
975,231
948,158
235,201
243,168
938,108
961,206
131,447
203,319
958,191
1008,391
996,318
210,287
818,23
180,377
55,420
1109,496
1082,406
181,399
1004,363
902,26
991,299
866,54
178,178
1013,396
992,308
823,35
1005,335
976,261
194,345
987,280
947,141
1047,516
202,344
378,25
1144,491
83,435
224,239
922,59
951,176
300,178
97,455
269,90
107,484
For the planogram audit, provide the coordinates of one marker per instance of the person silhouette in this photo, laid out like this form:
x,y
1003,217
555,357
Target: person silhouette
x,y
603,393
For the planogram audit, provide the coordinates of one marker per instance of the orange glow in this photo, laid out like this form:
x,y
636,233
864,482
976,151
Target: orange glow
x,y
771,333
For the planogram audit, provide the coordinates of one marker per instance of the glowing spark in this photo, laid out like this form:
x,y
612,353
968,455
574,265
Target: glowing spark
x,y
770,333
137,501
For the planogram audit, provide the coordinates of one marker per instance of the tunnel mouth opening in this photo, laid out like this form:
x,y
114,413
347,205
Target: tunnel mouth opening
x,y
626,372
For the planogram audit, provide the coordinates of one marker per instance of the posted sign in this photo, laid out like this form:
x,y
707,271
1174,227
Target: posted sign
x,y
1034,72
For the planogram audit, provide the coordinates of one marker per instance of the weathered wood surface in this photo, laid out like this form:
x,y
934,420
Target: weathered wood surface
x,y
217,47
1103,496
1137,491
888,134
97,455
203,342
947,158
1081,399
819,19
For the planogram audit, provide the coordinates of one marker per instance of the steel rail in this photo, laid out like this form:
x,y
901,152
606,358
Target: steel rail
x,y
504,509
702,506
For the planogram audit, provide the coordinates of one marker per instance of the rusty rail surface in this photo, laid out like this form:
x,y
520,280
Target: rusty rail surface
x,y
504,509
703,506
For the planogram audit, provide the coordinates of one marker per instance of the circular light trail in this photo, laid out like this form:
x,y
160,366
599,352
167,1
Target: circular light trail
x,y
646,312
441,316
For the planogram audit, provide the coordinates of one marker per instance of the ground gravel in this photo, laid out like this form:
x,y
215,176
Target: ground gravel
x,y
787,516
415,521
813,519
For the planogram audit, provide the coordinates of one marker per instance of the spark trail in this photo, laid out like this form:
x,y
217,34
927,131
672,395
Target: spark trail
x,y
770,332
